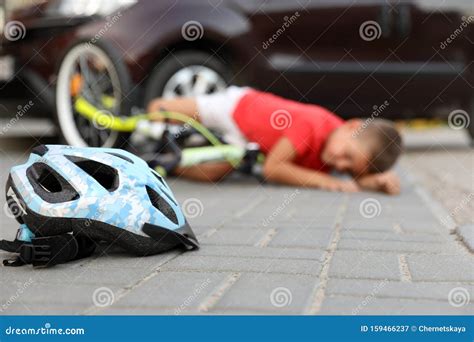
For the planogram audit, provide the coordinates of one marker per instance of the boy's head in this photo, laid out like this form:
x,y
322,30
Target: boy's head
x,y
363,147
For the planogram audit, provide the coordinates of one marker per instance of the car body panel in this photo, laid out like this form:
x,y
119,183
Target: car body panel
x,y
320,57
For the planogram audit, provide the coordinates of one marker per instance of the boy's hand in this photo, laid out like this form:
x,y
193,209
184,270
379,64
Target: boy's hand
x,y
387,182
279,167
340,185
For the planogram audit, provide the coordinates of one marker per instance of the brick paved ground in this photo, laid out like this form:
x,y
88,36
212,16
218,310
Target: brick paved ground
x,y
266,250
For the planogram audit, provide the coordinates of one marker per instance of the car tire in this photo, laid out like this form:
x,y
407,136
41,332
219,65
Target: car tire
x,y
66,117
176,65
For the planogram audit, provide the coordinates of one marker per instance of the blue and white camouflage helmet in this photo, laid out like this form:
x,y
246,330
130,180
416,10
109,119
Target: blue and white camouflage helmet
x,y
106,194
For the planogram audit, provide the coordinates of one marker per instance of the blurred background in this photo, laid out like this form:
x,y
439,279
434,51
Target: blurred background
x,y
409,61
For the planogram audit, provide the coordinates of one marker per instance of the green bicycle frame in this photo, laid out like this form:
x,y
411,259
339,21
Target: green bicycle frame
x,y
129,123
190,156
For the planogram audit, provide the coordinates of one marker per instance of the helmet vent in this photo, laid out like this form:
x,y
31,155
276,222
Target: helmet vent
x,y
50,185
160,179
105,175
49,181
161,204
118,155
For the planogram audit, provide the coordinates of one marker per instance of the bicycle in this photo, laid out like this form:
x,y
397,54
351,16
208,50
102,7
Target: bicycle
x,y
97,91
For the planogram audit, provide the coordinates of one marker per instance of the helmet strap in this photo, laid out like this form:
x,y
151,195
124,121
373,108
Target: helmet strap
x,y
48,251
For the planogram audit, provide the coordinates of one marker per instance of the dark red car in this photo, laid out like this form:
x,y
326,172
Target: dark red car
x,y
396,59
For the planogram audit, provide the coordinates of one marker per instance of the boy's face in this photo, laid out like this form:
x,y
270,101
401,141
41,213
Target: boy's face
x,y
344,152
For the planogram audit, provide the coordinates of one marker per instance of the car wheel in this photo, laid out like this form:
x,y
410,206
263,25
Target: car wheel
x,y
96,73
187,73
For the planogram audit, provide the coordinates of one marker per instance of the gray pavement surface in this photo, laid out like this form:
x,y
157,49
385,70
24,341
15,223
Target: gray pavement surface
x,y
278,250
443,163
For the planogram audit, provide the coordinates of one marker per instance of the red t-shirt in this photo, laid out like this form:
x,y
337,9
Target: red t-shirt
x,y
264,118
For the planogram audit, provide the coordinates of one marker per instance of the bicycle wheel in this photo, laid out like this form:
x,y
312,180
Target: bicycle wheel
x,y
97,73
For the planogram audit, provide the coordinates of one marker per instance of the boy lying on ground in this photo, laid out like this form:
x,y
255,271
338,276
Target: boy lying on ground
x,y
302,142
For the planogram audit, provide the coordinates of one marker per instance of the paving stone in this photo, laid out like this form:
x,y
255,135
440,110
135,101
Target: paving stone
x,y
203,222
423,225
343,305
419,221
241,236
124,260
394,210
46,309
257,252
283,224
466,235
30,294
369,225
392,236
395,246
441,267
144,310
162,310
182,291
365,264
244,264
315,222
248,312
387,226
270,292
65,274
308,238
394,289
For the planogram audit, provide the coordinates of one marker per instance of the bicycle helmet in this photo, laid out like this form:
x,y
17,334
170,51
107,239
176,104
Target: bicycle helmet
x,y
67,199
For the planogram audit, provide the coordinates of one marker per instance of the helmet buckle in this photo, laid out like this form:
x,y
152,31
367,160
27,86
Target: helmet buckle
x,y
35,254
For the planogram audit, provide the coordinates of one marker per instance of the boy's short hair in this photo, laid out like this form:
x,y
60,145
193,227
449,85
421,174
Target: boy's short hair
x,y
386,144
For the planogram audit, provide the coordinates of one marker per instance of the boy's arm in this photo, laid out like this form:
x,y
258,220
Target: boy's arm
x,y
183,105
279,167
387,182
